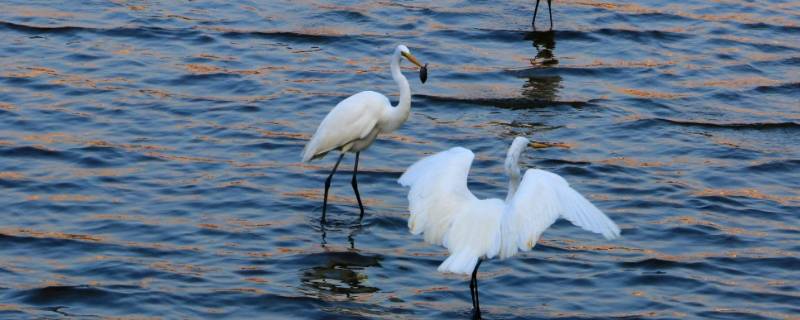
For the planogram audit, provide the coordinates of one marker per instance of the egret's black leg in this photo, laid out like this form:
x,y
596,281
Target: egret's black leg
x,y
472,291
324,235
328,185
355,188
549,2
535,10
476,303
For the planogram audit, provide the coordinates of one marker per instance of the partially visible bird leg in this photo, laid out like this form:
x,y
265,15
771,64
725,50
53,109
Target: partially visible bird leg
x,y
550,12
472,291
476,304
354,183
328,185
535,10
324,235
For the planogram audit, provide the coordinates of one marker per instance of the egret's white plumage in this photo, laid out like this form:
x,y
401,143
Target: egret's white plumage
x,y
354,123
443,208
439,191
541,199
350,126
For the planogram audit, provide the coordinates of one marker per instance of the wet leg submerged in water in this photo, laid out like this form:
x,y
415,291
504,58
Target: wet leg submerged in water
x,y
354,183
473,289
328,186
549,11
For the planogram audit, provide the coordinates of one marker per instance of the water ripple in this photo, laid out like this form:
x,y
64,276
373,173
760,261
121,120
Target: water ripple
x,y
150,157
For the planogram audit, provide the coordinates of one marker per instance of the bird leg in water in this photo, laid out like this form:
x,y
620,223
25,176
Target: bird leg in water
x,y
473,287
324,236
472,290
535,11
355,188
549,11
328,185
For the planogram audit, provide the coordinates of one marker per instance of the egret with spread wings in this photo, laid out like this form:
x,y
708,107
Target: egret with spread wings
x,y
448,214
354,123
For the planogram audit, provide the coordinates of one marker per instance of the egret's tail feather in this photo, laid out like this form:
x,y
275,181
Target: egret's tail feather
x,y
459,262
310,150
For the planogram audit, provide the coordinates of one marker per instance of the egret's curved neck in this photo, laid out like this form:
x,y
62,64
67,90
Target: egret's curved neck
x,y
399,113
512,165
513,181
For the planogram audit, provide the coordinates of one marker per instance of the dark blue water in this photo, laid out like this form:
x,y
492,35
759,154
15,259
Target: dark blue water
x,y
149,157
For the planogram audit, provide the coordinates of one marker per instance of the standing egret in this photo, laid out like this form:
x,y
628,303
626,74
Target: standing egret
x,y
354,123
443,208
536,10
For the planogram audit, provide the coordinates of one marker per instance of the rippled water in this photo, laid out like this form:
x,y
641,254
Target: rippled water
x,y
150,157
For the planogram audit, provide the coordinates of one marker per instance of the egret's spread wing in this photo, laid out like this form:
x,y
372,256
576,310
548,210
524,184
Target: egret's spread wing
x,y
541,199
438,191
352,119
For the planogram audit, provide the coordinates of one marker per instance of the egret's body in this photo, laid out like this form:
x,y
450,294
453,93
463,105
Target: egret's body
x,y
355,122
447,213
351,126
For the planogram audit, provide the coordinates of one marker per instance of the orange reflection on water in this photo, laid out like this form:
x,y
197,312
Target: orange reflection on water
x,y
279,134
7,106
744,18
316,195
647,63
631,162
688,220
745,193
432,289
201,69
10,175
22,232
403,138
66,138
62,198
650,94
736,83
210,56
258,280
139,219
31,72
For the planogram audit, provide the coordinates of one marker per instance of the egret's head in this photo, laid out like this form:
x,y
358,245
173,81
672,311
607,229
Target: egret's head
x,y
520,142
407,54
403,49
423,71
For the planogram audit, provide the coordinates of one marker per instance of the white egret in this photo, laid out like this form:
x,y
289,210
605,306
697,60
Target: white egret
x,y
536,10
443,208
354,123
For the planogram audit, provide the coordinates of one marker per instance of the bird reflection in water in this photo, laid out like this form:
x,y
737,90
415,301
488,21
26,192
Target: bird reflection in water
x,y
541,85
338,273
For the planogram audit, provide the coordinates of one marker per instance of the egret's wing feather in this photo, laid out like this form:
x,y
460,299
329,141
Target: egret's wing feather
x,y
438,191
540,200
352,119
475,233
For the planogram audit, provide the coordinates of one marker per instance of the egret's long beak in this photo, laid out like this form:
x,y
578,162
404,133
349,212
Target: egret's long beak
x,y
411,58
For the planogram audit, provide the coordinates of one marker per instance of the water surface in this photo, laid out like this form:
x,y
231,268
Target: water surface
x,y
150,157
